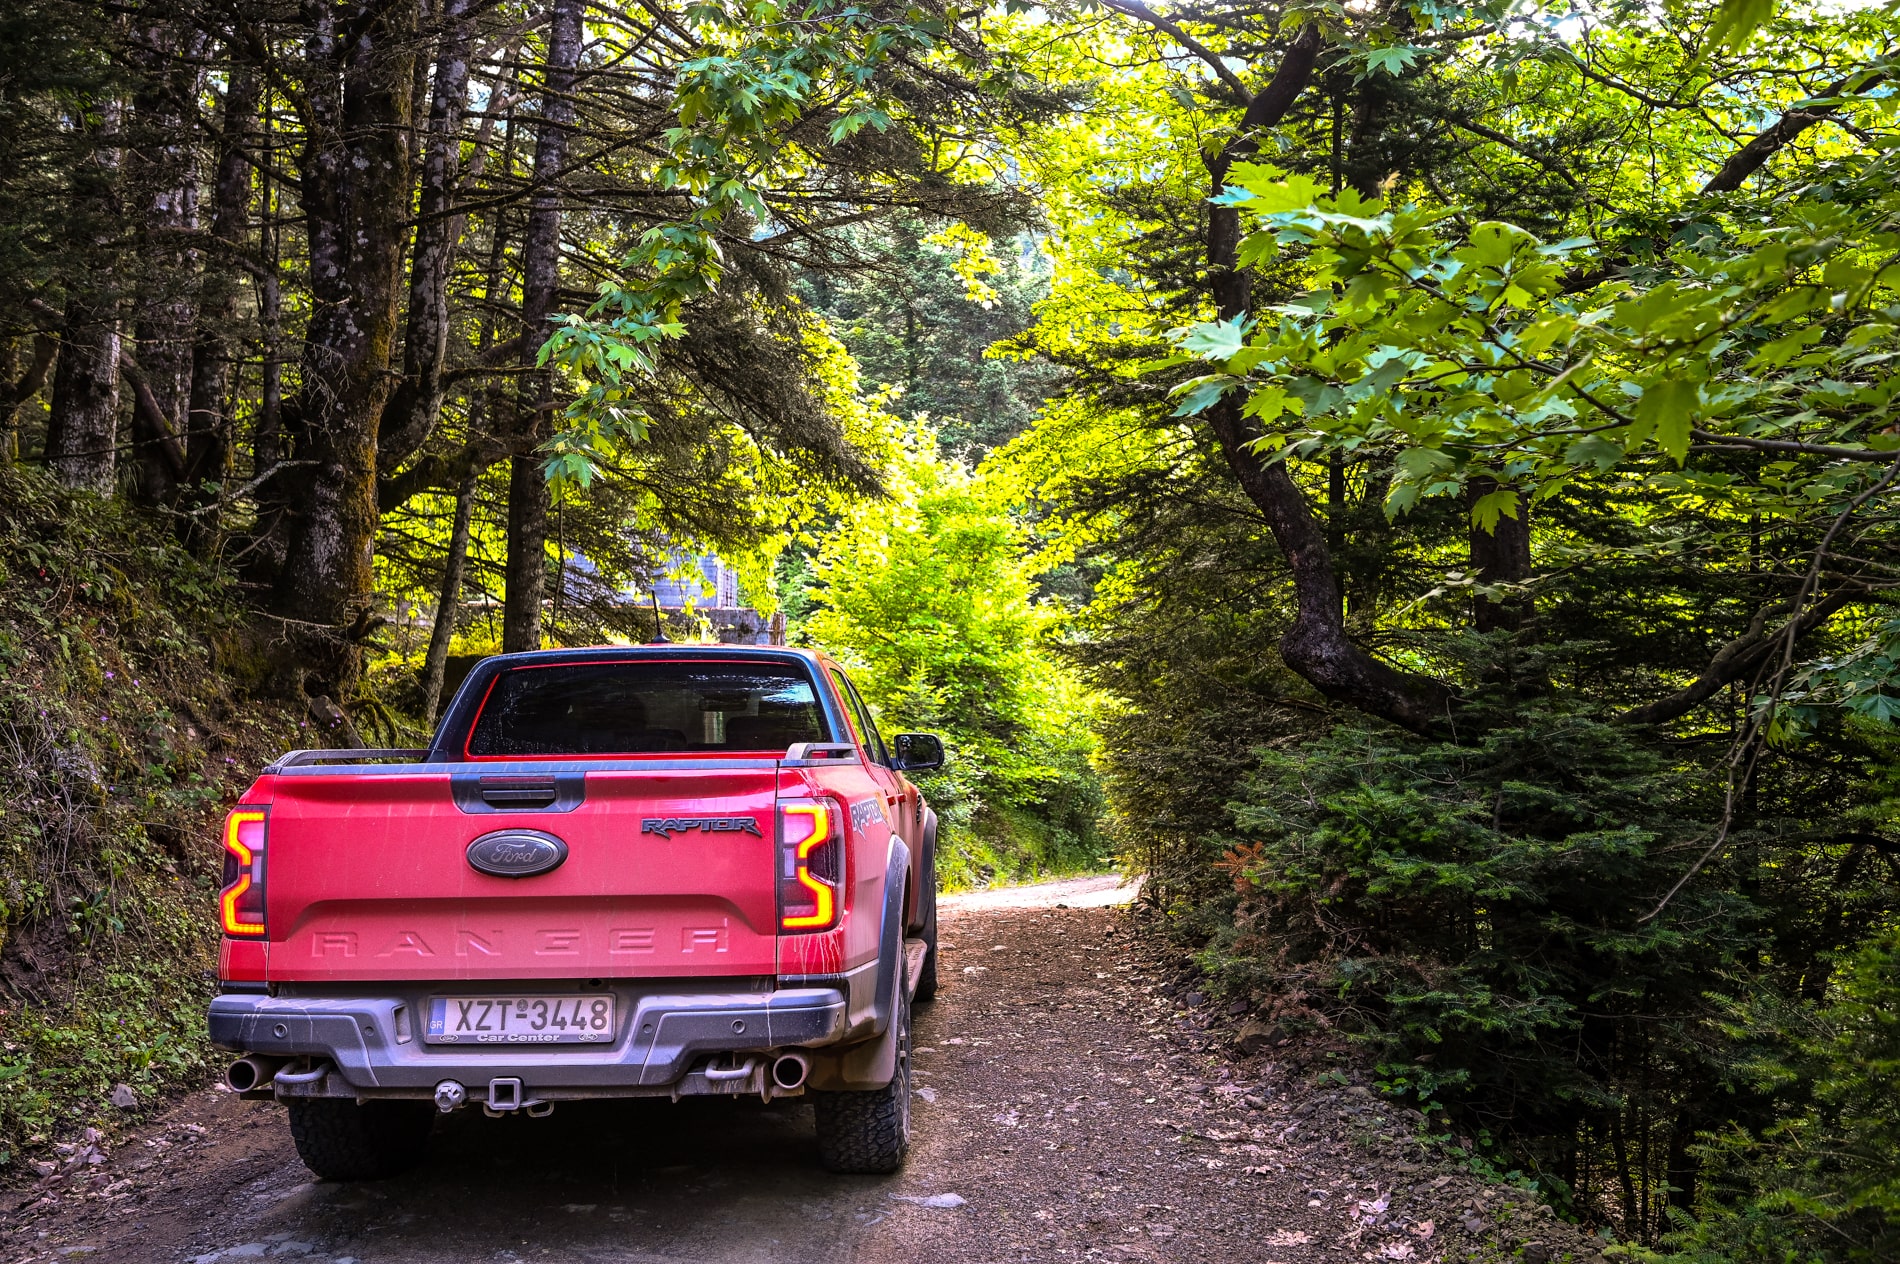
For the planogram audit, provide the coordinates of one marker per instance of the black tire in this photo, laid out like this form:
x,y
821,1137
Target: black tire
x,y
341,1141
867,1132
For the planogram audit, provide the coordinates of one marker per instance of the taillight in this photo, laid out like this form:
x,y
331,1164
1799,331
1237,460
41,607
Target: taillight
x,y
241,903
811,866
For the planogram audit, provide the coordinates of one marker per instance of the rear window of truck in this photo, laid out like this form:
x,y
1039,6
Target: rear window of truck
x,y
637,708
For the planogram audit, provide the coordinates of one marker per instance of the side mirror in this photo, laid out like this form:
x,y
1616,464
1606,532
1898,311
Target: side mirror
x,y
918,752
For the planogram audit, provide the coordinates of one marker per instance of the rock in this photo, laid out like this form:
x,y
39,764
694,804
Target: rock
x,y
1254,1036
123,1097
1194,999
1534,1253
1473,1225
1239,1007
946,1201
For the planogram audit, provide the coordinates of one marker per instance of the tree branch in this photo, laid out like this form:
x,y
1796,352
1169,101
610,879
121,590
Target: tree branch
x,y
1142,13
1522,150
1739,658
1751,157
1732,442
44,345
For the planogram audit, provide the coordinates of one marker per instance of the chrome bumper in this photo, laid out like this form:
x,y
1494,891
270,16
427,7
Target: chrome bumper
x,y
376,1045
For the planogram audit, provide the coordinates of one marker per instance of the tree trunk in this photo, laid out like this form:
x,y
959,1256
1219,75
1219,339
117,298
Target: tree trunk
x,y
527,566
82,430
32,378
540,282
1316,646
448,602
355,188
208,438
82,423
1501,556
163,179
417,404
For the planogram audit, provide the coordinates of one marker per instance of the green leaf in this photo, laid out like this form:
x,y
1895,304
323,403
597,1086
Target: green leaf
x,y
1668,408
1216,339
1492,505
1420,464
1596,451
1269,190
1738,20
1395,60
1201,394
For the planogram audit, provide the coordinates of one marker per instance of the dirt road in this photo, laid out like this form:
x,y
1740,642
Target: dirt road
x,y
1069,1107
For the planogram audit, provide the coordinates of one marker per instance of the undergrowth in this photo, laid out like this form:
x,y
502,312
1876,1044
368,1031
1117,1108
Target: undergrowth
x,y
122,738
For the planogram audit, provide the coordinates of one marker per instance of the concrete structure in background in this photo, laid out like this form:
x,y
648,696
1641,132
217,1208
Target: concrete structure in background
x,y
705,588
713,584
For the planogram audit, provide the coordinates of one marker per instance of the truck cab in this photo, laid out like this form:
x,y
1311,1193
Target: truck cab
x,y
668,870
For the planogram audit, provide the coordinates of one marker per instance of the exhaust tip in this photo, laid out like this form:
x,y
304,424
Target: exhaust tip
x,y
790,1070
248,1073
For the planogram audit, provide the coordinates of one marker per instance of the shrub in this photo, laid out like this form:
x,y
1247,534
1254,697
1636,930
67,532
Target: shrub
x,y
931,600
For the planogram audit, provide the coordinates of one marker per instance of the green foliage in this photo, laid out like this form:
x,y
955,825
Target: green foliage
x,y
123,737
930,599
923,319
743,106
1466,907
1468,352
1820,1183
1499,290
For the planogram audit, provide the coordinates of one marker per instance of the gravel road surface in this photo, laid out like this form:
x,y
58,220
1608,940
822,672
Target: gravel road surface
x,y
1071,1106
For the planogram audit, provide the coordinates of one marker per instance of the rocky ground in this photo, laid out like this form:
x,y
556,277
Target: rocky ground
x,y
1074,1103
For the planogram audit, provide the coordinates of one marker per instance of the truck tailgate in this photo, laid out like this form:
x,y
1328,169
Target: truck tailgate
x,y
668,873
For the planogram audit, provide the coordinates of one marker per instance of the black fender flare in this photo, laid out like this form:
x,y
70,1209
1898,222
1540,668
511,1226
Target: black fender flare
x,y
890,936
926,892
871,1063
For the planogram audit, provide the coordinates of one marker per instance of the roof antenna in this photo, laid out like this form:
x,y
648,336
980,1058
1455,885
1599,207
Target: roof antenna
x,y
659,625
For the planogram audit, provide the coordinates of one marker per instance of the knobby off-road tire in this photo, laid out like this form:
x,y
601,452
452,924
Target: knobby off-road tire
x,y
868,1132
341,1141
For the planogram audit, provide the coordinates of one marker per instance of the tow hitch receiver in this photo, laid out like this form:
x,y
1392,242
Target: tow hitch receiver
x,y
504,1095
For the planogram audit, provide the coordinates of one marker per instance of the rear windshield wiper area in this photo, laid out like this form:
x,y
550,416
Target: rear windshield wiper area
x,y
632,708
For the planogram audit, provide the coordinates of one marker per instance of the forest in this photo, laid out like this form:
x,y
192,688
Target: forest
x,y
1417,482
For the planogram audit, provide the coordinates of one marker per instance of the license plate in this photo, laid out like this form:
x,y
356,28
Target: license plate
x,y
520,1020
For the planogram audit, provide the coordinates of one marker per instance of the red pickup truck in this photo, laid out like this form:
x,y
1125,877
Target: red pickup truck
x,y
657,871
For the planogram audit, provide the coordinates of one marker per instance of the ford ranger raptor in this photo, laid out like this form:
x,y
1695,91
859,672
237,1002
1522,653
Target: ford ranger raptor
x,y
654,871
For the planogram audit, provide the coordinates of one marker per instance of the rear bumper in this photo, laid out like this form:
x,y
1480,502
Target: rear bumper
x,y
375,1042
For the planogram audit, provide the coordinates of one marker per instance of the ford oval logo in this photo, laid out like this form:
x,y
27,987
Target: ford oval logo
x,y
516,853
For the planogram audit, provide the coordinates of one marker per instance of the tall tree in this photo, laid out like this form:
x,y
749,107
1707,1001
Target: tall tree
x,y
540,292
412,413
82,435
162,188
355,99
209,424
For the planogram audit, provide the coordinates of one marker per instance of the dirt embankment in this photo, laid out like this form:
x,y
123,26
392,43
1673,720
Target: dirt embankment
x,y
1068,1108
